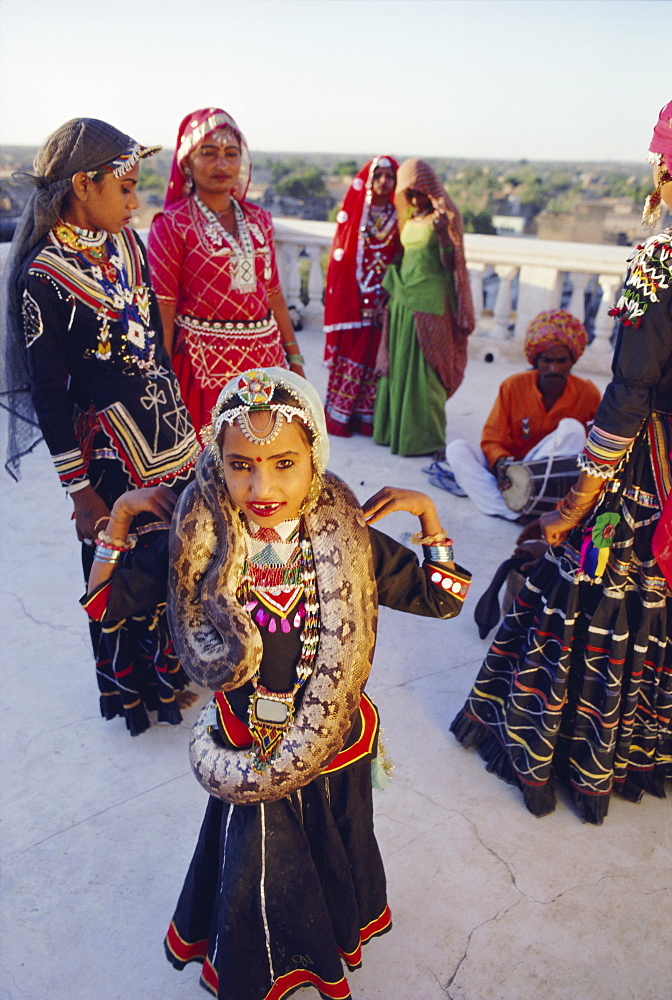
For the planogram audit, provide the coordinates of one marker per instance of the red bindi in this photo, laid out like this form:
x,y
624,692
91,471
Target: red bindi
x,y
257,460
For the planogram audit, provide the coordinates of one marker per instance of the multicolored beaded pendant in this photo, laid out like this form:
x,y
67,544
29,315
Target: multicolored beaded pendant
x,y
275,589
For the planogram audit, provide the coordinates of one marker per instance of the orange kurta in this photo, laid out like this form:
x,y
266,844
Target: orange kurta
x,y
518,420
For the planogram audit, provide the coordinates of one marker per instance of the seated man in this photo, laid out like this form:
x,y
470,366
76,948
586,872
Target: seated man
x,y
537,413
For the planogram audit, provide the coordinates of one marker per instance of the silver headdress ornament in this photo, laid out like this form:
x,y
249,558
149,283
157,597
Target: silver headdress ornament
x,y
255,389
224,137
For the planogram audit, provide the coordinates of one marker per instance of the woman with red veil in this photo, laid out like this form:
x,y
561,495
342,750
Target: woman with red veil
x,y
365,243
212,258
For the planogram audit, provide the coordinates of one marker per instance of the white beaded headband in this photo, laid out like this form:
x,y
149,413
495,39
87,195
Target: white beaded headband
x,y
255,388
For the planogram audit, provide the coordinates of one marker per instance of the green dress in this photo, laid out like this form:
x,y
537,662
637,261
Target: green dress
x,y
410,400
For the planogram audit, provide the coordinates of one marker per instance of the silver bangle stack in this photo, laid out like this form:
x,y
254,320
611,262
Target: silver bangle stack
x,y
439,553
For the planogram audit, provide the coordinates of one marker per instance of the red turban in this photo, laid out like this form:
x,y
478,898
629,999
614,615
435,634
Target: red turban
x,y
552,329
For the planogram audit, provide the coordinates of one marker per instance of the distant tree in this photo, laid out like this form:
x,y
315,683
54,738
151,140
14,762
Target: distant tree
x,y
478,222
149,180
309,184
278,170
346,168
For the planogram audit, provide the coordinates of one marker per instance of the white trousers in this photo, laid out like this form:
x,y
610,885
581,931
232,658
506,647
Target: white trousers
x,y
472,473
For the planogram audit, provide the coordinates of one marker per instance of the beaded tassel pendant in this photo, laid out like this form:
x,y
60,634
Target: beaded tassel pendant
x,y
271,713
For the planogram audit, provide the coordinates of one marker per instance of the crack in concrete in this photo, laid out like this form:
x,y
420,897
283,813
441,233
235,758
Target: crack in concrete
x,y
463,958
456,812
523,901
101,812
432,673
70,629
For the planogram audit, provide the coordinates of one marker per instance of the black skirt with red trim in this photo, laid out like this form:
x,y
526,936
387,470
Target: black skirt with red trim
x,y
280,895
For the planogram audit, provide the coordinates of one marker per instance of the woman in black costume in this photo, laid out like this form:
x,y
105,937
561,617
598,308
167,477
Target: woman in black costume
x,y
578,681
85,362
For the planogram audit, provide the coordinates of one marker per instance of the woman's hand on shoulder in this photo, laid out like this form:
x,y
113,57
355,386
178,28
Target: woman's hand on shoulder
x,y
90,508
394,498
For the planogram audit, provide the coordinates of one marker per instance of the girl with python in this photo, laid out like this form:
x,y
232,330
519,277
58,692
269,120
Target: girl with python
x,y
275,576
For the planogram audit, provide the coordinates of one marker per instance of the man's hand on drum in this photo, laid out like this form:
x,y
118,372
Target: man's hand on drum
x,y
503,481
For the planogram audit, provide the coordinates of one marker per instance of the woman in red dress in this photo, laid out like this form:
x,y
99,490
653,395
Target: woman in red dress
x,y
213,266
365,243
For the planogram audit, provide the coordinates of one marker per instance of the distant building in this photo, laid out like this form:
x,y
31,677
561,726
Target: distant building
x,y
509,225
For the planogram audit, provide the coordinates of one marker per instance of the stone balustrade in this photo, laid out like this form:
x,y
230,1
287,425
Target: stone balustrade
x,y
512,279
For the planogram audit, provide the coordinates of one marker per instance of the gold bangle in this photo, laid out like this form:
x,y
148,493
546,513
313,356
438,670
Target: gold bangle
x,y
106,517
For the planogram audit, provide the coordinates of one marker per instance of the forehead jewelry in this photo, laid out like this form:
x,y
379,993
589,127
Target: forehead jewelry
x,y
223,137
241,415
256,389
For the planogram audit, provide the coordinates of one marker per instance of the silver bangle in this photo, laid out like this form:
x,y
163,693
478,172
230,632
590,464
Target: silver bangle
x,y
438,553
106,555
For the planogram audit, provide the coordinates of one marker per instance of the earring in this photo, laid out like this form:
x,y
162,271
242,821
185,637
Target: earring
x,y
652,206
312,495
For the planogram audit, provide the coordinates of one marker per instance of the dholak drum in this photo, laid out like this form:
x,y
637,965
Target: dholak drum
x,y
538,486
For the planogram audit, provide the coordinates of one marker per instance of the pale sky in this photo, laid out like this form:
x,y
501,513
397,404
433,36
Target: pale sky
x,y
540,79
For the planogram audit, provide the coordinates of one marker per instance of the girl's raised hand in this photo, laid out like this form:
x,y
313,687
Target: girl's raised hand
x,y
393,498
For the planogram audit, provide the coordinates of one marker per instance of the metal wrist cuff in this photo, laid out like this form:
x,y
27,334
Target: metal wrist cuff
x,y
105,555
438,553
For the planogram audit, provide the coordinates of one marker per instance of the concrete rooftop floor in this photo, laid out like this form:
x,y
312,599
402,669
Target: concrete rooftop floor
x,y
489,903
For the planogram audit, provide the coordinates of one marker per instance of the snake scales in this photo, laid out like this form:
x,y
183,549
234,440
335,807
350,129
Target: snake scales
x,y
220,646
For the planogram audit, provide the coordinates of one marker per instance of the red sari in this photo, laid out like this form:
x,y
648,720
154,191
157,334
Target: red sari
x,y
365,243
224,324
219,330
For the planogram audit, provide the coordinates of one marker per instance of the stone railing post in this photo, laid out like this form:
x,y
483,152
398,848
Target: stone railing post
x,y
577,302
476,283
315,281
503,311
539,264
539,290
598,354
289,273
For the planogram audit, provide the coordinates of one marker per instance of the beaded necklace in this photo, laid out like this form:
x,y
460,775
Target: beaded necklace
x,y
376,230
272,584
243,276
131,303
91,241
381,221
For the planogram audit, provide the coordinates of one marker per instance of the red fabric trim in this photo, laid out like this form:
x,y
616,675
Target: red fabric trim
x,y
377,926
78,473
182,950
96,603
126,458
43,266
238,733
450,577
209,977
185,952
368,713
298,977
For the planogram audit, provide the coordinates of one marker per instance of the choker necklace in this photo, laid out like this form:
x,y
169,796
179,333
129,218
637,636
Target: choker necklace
x,y
92,242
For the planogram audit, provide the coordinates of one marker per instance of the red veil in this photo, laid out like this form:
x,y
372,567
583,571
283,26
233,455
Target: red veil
x,y
342,307
193,130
